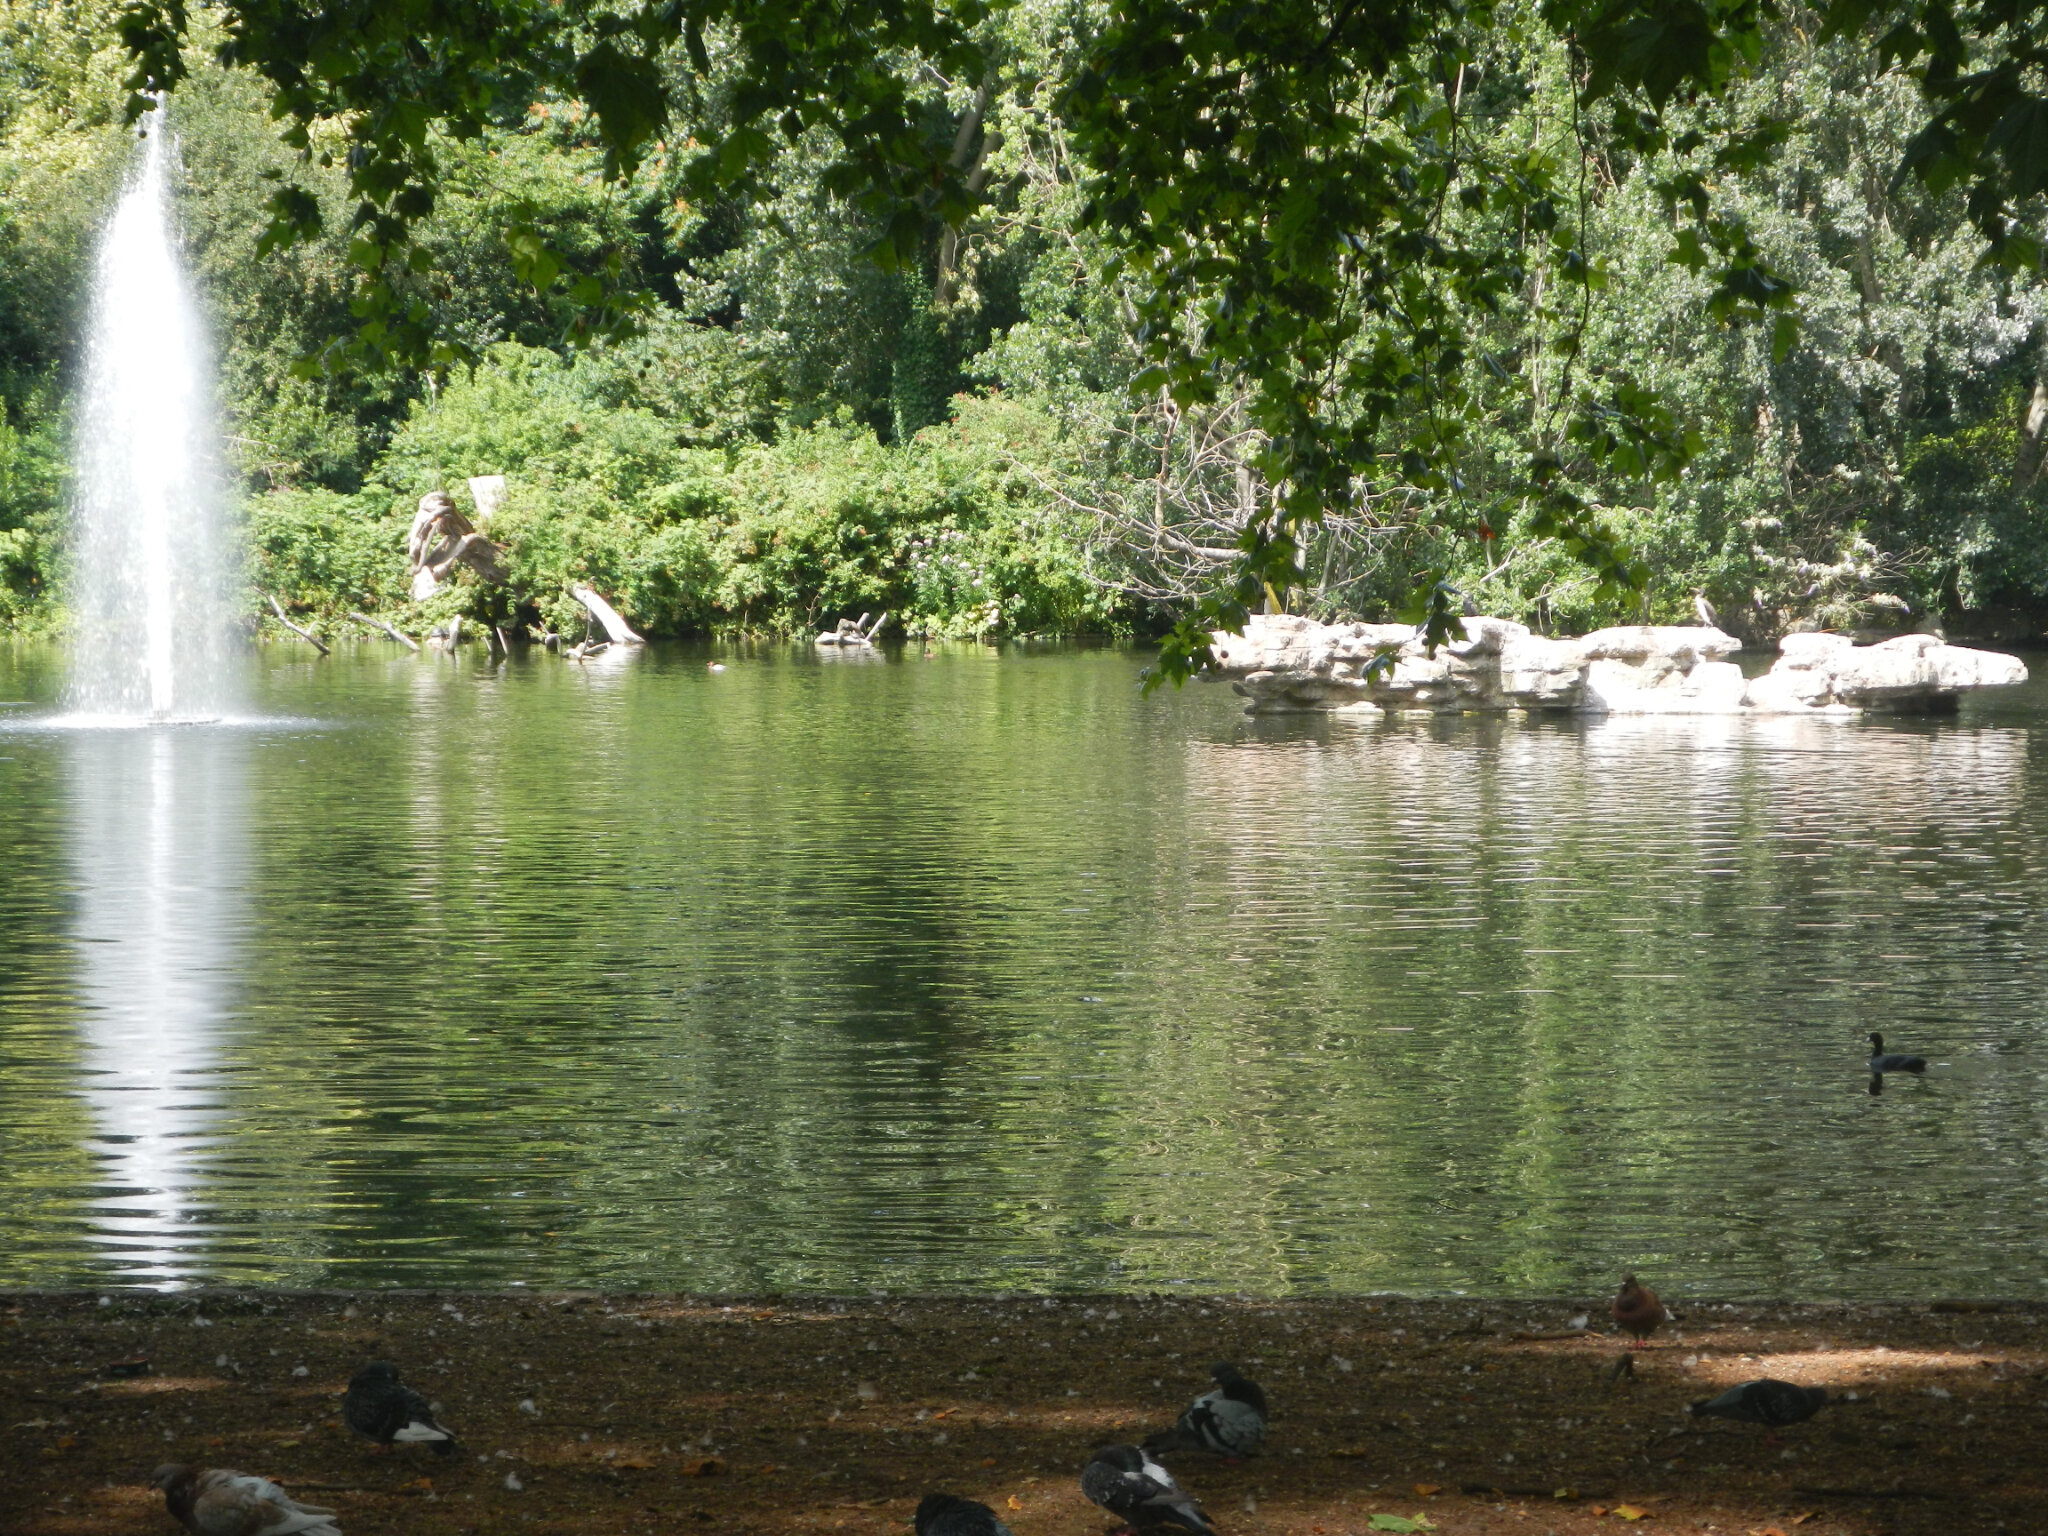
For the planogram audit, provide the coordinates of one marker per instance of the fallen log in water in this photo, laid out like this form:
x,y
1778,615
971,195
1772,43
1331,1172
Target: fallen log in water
x,y
304,634
390,629
616,629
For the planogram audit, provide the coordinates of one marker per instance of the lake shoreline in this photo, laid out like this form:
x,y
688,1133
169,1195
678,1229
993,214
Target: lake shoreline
x,y
826,1414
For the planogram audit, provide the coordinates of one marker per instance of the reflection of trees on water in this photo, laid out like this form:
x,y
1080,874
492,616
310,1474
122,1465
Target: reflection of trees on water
x,y
1604,983
825,978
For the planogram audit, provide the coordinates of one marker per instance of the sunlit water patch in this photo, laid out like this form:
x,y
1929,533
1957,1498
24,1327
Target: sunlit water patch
x,y
986,972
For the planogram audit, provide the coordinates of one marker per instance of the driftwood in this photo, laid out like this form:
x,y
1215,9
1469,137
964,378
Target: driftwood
x,y
390,629
304,634
442,538
616,629
854,632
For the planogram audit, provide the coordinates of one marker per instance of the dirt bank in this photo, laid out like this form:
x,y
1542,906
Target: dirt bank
x,y
589,1415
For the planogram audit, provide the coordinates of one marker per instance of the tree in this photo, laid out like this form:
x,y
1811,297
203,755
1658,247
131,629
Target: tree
x,y
1298,194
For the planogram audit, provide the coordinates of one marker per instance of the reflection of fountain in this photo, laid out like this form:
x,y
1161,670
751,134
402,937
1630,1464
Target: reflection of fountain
x,y
156,852
147,596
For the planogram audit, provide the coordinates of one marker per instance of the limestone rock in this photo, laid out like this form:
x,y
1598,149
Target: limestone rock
x,y
1283,662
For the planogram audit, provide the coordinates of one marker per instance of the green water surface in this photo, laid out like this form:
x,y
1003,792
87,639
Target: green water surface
x,y
985,972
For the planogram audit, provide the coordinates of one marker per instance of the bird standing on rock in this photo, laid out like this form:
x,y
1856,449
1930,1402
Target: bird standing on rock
x,y
1766,1401
1883,1061
1230,1420
382,1408
218,1502
1127,1482
944,1514
1637,1311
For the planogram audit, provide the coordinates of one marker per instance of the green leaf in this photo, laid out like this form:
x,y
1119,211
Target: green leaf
x,y
1784,335
625,92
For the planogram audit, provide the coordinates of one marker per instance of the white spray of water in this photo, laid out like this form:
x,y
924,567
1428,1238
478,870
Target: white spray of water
x,y
147,589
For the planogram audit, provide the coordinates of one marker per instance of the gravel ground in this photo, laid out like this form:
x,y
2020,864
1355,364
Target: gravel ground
x,y
586,1415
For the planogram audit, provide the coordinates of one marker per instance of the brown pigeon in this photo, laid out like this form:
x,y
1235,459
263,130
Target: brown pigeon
x,y
216,1502
1637,1311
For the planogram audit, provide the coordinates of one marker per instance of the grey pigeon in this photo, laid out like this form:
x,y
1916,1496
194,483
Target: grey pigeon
x,y
1883,1061
1127,1482
1230,1420
217,1502
1766,1401
382,1408
944,1514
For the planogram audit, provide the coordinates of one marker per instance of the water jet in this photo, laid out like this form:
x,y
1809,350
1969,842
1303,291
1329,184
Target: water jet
x,y
148,588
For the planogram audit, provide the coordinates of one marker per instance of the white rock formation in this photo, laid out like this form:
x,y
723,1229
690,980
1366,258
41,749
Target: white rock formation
x,y
1284,663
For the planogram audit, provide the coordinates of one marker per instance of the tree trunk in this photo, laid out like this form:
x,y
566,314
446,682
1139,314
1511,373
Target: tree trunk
x,y
2026,463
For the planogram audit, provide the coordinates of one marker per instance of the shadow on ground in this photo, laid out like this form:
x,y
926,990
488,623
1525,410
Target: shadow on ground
x,y
588,1415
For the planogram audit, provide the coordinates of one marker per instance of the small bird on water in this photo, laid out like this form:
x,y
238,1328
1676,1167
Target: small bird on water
x,y
1766,1401
1127,1482
1637,1311
217,1502
1230,1420
382,1408
1883,1061
944,1514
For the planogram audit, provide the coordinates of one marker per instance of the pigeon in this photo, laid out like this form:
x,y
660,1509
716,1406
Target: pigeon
x,y
944,1514
217,1502
1127,1482
382,1408
1883,1061
1766,1401
1637,1310
1231,1420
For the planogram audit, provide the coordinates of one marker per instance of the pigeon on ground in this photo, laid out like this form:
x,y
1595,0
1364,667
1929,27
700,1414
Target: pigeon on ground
x,y
944,1514
1637,1311
1766,1401
1230,1420
1883,1061
382,1408
1127,1482
217,1502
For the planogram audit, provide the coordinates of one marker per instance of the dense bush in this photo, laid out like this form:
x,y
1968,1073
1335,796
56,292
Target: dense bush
x,y
947,532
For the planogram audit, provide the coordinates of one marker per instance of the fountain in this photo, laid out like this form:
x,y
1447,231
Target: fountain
x,y
157,814
148,582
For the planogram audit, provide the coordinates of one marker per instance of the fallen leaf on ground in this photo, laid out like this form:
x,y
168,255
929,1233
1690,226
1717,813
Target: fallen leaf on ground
x,y
634,1463
1630,1512
1429,1490
1566,1492
1015,1502
1401,1523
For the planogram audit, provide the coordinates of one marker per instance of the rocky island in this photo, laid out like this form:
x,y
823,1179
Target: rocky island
x,y
1283,663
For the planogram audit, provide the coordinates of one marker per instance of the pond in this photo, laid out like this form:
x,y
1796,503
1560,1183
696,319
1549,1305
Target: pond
x,y
985,972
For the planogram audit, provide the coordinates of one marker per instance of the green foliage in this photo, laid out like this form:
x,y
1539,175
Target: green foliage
x,y
1570,308
948,533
